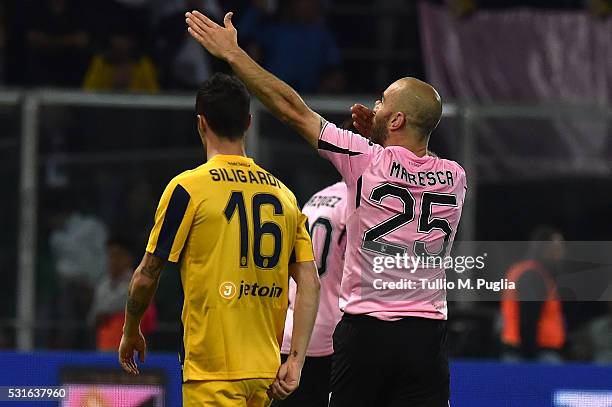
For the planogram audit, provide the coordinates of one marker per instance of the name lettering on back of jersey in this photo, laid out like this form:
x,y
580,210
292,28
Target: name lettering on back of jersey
x,y
322,200
422,178
243,176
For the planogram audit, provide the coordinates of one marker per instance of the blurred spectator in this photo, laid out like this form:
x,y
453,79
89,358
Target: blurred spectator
x,y
298,47
78,247
121,67
107,313
533,320
57,43
183,63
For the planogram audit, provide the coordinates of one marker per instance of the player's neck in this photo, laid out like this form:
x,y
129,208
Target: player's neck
x,y
224,147
417,147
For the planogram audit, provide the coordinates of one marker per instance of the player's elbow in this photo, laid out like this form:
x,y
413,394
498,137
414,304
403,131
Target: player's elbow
x,y
141,282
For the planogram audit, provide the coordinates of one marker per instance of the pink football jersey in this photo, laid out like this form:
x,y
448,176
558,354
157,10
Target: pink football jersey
x,y
402,215
326,214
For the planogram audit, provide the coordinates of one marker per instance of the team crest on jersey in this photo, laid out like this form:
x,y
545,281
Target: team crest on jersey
x,y
227,290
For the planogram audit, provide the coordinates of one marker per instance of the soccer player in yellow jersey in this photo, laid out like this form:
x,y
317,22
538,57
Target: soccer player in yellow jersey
x,y
239,235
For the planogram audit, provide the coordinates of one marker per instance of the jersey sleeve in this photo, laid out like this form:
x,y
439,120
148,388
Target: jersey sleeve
x,y
350,153
302,249
173,220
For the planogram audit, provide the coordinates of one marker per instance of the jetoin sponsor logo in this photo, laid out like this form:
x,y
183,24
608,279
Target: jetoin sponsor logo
x,y
256,290
228,290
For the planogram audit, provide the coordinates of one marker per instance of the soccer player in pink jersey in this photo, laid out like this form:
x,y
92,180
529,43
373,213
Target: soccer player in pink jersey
x,y
403,208
326,214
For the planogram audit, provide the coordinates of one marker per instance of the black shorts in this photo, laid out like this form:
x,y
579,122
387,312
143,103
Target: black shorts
x,y
314,384
390,364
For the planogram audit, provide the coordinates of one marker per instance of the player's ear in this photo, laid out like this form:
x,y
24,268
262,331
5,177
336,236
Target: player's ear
x,y
397,121
201,124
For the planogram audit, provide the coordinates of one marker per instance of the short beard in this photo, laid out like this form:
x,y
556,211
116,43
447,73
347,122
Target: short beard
x,y
379,133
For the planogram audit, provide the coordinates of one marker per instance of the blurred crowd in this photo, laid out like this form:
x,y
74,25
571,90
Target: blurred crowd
x,y
142,45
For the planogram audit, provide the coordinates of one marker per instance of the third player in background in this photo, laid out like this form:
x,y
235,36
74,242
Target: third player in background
x,y
326,216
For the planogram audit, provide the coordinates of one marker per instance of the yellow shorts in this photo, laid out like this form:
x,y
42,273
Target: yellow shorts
x,y
228,393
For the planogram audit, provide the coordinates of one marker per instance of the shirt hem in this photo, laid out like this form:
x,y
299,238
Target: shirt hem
x,y
228,376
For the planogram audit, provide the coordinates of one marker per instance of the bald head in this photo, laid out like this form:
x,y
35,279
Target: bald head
x,y
419,101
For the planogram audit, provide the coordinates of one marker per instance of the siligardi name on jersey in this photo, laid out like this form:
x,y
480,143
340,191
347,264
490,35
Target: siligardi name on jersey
x,y
244,176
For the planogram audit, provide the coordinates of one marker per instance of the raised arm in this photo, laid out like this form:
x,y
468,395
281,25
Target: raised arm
x,y
276,95
142,289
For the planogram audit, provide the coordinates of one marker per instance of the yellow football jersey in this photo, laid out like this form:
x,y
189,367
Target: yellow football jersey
x,y
235,228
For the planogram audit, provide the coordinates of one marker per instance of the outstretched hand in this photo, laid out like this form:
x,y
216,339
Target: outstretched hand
x,y
219,41
362,119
